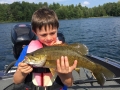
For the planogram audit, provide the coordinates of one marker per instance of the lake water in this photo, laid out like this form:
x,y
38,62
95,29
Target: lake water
x,y
100,35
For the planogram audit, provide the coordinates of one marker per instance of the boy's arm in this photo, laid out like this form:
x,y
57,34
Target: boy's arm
x,y
23,69
65,71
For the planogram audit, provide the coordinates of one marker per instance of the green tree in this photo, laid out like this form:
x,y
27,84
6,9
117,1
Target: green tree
x,y
22,11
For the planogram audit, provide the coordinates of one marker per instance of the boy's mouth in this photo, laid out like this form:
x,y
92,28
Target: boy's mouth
x,y
49,43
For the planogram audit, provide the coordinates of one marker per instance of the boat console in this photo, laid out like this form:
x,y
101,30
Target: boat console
x,y
21,35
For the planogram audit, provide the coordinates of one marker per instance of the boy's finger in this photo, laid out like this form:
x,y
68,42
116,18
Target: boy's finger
x,y
27,70
58,65
62,62
58,41
22,64
66,62
74,65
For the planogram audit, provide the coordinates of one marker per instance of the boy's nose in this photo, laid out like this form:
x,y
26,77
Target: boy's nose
x,y
49,37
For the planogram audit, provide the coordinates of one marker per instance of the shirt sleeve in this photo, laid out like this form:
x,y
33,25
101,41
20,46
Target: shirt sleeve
x,y
22,55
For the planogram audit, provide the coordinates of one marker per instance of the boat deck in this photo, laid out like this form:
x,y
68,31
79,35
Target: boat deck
x,y
109,85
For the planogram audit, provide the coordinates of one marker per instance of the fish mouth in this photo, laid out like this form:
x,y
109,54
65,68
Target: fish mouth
x,y
35,63
38,63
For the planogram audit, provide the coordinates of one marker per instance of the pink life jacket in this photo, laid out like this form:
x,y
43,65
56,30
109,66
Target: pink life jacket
x,y
39,79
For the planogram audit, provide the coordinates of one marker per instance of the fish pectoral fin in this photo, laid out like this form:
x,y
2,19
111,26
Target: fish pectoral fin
x,y
100,78
53,72
93,76
77,70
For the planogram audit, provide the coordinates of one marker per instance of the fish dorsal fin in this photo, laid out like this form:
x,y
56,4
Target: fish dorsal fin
x,y
81,48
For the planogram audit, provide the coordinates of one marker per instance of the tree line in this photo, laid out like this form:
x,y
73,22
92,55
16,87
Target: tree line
x,y
22,11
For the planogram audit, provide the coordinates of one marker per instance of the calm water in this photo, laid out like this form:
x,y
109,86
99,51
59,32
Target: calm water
x,y
100,35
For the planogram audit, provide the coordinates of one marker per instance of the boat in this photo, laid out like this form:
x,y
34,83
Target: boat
x,y
21,35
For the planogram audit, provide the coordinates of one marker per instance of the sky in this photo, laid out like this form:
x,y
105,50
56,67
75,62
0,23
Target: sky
x,y
88,3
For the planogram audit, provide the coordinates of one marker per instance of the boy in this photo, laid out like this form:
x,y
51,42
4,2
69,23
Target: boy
x,y
45,26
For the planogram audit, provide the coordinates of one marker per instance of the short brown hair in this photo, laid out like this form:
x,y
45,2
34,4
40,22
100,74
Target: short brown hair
x,y
44,17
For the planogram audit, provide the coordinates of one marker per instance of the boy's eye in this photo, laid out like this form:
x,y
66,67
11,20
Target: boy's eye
x,y
43,35
52,33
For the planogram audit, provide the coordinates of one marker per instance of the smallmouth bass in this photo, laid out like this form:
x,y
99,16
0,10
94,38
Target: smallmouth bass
x,y
47,56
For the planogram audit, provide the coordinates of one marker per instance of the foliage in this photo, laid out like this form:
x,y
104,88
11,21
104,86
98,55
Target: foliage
x,y
22,11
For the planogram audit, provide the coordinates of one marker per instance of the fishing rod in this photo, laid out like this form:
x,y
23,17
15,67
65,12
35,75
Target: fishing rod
x,y
93,80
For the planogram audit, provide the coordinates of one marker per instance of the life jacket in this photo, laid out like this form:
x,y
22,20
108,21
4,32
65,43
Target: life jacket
x,y
42,77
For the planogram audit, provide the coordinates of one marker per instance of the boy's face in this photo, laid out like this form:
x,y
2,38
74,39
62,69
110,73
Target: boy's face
x,y
48,36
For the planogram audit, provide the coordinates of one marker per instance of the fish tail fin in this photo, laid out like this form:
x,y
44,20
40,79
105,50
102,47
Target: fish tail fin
x,y
100,78
101,73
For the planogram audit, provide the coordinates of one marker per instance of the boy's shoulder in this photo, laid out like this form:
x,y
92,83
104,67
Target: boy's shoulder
x,y
34,45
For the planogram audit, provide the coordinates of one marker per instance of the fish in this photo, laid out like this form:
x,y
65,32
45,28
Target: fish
x,y
47,56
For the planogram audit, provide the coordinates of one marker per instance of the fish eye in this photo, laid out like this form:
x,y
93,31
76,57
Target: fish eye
x,y
32,54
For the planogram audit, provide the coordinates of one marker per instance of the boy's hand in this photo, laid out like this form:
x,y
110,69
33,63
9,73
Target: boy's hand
x,y
65,71
24,68
22,71
63,65
58,42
